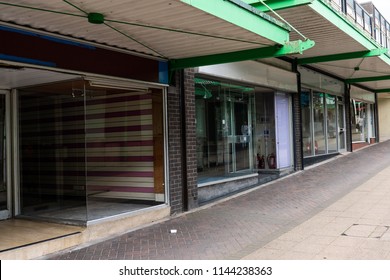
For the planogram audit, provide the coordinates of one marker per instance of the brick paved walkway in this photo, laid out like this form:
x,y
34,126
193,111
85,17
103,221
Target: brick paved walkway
x,y
239,226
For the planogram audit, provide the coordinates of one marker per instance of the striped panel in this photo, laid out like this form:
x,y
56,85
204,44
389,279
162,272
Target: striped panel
x,y
120,117
109,149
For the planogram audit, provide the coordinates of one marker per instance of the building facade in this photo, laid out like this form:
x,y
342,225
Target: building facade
x,y
257,121
80,146
92,132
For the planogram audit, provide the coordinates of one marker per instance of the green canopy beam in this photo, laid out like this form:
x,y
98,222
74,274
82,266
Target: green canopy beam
x,y
367,79
277,4
245,16
383,90
342,56
294,47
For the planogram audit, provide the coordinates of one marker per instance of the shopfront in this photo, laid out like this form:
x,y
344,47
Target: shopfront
x,y
323,114
81,141
87,152
362,116
82,150
224,118
243,130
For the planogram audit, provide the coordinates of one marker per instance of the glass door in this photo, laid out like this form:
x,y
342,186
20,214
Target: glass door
x,y
5,201
243,136
52,155
239,148
341,125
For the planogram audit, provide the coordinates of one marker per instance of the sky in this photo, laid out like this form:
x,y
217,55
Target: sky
x,y
382,5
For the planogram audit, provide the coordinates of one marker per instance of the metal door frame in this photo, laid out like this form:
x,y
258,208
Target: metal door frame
x,y
7,213
232,139
341,129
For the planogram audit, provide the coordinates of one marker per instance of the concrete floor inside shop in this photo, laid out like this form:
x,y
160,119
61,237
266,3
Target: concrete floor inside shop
x,y
26,238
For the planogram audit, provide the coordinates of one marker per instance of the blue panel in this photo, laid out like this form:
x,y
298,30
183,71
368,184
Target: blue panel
x,y
26,60
46,37
163,72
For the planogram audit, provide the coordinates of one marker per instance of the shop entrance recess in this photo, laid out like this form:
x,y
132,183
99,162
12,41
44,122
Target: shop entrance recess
x,y
241,140
5,190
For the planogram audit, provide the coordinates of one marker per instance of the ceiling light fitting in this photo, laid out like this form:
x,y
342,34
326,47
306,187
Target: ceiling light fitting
x,y
116,84
95,18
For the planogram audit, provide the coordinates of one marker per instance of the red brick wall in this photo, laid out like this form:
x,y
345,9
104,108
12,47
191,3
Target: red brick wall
x,y
174,147
182,175
192,185
297,131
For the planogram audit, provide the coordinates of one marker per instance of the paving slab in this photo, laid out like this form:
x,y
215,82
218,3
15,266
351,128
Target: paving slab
x,y
307,215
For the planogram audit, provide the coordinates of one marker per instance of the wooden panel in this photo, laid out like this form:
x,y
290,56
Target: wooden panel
x,y
158,140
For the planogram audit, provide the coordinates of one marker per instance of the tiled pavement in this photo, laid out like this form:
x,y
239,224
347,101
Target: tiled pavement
x,y
355,227
339,209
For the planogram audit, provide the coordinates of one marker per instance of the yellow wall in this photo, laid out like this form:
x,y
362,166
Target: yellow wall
x,y
384,118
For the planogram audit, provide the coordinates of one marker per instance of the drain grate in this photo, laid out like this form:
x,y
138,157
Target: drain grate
x,y
368,231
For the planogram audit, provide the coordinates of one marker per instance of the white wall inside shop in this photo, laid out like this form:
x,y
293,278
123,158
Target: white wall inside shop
x,y
255,73
384,118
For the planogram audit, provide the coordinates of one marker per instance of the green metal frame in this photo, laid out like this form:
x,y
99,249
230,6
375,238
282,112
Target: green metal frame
x,y
342,56
367,79
277,4
242,14
294,47
245,17
384,90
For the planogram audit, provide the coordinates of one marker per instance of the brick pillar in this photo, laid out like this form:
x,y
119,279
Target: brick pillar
x,y
174,147
191,172
297,133
297,122
182,143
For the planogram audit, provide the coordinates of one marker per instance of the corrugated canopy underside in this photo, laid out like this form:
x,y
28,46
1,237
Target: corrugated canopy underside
x,y
160,28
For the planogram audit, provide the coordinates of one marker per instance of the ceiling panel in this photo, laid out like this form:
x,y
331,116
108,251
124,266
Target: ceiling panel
x,y
161,28
14,77
331,39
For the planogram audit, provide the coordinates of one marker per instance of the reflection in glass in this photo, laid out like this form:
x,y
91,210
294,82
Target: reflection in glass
x,y
319,123
52,154
371,125
331,120
88,153
243,136
3,166
341,123
223,129
265,132
358,120
309,147
323,128
235,130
